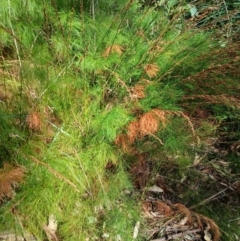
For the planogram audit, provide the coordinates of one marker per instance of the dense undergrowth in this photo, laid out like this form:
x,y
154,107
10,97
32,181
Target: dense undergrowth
x,y
87,94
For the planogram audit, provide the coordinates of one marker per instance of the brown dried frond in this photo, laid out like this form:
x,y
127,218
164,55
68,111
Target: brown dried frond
x,y
123,141
137,91
184,210
147,206
198,219
115,48
10,177
213,227
163,208
34,122
133,131
151,70
148,124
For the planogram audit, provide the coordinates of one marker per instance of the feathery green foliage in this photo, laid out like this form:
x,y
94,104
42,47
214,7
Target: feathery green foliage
x,y
73,82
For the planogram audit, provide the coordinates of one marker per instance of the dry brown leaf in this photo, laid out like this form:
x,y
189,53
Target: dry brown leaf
x,y
115,48
151,70
10,177
137,91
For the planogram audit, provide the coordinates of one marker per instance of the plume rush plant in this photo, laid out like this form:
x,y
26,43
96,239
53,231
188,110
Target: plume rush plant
x,y
78,73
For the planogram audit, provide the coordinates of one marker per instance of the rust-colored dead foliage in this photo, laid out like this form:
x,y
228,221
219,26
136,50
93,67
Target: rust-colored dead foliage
x,y
133,131
184,210
10,177
138,90
115,48
152,121
162,208
147,124
212,226
33,121
44,120
151,70
122,140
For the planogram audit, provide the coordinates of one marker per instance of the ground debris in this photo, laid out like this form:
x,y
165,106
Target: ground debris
x,y
173,221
